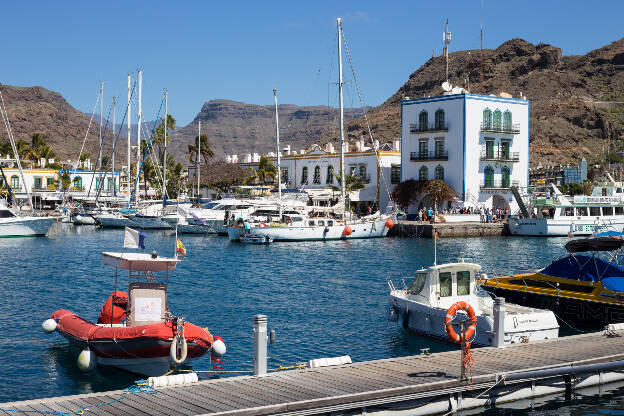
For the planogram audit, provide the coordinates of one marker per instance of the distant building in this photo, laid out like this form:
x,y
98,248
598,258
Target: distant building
x,y
478,144
575,174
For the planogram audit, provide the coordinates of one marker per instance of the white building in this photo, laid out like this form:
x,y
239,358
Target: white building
x,y
317,167
85,182
477,144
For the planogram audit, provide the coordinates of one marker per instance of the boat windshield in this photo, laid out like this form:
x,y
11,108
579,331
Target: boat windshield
x,y
418,283
5,213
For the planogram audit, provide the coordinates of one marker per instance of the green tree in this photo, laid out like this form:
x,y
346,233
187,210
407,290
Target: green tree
x,y
106,160
159,134
439,191
352,184
205,149
265,170
83,157
23,148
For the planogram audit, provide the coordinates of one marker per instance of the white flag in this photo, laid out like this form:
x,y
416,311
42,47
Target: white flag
x,y
133,239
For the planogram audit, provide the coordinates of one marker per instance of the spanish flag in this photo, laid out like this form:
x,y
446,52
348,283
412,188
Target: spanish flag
x,y
436,233
180,249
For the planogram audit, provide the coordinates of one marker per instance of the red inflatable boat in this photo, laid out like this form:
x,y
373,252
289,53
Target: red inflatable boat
x,y
136,331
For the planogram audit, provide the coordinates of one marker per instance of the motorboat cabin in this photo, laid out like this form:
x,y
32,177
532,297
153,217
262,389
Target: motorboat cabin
x,y
421,306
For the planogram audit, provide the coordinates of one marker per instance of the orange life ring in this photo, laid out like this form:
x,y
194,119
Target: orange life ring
x,y
450,315
262,225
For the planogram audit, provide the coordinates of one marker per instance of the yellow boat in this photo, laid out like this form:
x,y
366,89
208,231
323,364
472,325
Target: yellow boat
x,y
585,290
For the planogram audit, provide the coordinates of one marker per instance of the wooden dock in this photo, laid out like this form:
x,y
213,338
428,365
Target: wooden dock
x,y
404,228
370,385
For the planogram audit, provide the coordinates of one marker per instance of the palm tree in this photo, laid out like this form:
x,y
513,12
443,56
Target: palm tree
x,y
159,133
265,170
37,141
352,184
83,157
206,150
5,148
46,152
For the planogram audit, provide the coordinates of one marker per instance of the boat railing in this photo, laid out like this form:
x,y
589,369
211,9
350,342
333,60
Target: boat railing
x,y
390,284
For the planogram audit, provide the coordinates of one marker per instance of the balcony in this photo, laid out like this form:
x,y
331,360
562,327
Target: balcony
x,y
419,156
497,185
424,128
504,128
499,155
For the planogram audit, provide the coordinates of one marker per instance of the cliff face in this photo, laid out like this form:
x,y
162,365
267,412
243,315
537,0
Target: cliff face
x,y
36,109
234,127
576,102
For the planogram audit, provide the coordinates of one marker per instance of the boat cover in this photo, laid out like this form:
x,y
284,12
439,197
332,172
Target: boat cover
x,y
609,233
594,244
588,269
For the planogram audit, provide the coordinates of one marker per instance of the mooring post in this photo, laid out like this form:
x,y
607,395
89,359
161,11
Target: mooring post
x,y
499,322
462,374
260,345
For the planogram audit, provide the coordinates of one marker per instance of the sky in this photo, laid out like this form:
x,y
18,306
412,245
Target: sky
x,y
241,50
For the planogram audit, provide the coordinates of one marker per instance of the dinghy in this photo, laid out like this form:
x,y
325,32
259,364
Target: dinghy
x,y
136,331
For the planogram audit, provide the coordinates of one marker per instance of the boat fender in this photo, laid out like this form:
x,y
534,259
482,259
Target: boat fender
x,y
450,315
218,347
49,325
262,225
389,223
347,231
393,314
173,350
87,360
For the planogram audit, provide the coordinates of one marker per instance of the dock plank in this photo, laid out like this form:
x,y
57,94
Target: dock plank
x,y
343,386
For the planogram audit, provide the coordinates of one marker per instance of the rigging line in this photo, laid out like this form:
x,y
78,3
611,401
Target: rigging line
x,y
97,187
89,126
7,124
149,143
154,159
370,132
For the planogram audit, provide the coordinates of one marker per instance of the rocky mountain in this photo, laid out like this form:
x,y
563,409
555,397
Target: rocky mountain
x,y
36,109
576,102
234,127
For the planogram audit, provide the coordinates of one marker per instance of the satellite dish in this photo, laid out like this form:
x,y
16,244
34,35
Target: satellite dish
x,y
446,86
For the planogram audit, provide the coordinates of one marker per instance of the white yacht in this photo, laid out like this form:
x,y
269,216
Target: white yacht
x,y
150,217
114,219
559,215
421,306
210,217
14,225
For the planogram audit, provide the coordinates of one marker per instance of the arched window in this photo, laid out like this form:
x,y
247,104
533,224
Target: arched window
x,y
505,173
487,119
78,182
439,172
439,119
15,182
497,120
317,175
488,177
423,120
423,173
304,175
507,121
330,175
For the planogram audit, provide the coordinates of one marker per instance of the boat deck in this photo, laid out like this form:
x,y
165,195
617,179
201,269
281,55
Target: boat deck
x,y
340,388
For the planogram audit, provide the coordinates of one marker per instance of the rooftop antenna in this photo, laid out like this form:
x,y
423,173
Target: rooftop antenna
x,y
481,86
446,38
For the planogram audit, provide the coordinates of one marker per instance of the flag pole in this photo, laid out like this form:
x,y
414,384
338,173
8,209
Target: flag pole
x,y
435,246
175,245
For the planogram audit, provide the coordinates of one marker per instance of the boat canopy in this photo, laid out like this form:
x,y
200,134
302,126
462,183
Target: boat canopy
x,y
609,233
594,244
588,269
142,262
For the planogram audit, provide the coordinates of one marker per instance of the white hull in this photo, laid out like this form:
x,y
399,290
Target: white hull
x,y
147,222
367,229
25,226
562,226
114,221
426,320
83,219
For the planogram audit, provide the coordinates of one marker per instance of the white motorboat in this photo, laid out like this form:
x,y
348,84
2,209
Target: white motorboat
x,y
557,215
421,306
150,218
14,225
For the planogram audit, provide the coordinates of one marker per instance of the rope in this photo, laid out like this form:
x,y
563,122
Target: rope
x,y
140,386
280,368
468,362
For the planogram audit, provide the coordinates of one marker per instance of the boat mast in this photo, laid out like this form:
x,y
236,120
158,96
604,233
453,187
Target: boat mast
x,y
97,188
113,158
342,174
139,117
129,147
279,172
164,187
198,164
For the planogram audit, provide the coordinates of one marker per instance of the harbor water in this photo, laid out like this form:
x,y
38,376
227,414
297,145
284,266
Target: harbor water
x,y
322,298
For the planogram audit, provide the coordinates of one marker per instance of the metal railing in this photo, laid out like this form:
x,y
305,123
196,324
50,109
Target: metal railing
x,y
499,184
499,154
363,178
420,128
435,155
502,128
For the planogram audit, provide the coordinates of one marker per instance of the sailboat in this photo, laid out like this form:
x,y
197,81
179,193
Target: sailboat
x,y
12,222
334,225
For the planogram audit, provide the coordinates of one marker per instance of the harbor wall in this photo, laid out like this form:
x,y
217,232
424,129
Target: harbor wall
x,y
404,228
